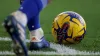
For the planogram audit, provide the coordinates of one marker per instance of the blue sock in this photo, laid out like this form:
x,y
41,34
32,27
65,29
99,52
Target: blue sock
x,y
32,9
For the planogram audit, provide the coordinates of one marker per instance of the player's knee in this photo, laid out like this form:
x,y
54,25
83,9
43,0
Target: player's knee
x,y
49,1
20,17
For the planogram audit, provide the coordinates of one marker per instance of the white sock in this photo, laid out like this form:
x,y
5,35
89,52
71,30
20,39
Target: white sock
x,y
36,35
20,17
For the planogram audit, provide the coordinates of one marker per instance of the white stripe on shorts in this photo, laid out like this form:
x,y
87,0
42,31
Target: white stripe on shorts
x,y
44,2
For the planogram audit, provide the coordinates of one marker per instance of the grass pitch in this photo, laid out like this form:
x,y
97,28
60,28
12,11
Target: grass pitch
x,y
89,9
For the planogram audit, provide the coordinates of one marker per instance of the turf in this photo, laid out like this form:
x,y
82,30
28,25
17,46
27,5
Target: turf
x,y
89,9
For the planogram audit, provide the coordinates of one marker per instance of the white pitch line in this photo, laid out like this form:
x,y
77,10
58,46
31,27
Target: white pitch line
x,y
8,39
60,50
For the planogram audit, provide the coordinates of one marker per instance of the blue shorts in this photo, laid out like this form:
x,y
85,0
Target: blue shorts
x,y
32,9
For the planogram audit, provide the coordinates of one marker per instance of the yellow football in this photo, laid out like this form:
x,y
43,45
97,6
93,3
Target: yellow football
x,y
68,27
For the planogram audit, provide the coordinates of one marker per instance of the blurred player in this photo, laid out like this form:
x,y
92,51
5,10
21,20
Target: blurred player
x,y
15,23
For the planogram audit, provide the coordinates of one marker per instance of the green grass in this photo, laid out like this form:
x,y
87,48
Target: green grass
x,y
89,9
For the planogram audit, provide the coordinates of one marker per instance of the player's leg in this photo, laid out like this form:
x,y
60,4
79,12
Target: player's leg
x,y
35,6
36,35
15,25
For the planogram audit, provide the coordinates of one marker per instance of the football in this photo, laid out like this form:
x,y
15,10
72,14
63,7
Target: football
x,y
68,27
